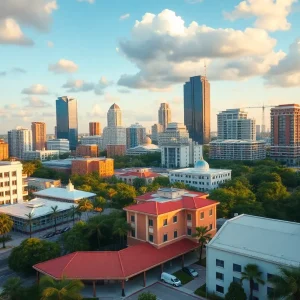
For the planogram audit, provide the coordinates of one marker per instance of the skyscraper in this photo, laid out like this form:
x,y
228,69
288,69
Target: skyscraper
x,y
114,116
197,109
135,135
94,128
19,141
285,133
164,115
66,120
233,124
38,135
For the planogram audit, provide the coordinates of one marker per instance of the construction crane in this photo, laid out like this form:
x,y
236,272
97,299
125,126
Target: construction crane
x,y
263,107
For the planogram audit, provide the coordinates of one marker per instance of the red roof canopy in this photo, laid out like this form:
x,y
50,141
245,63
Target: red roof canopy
x,y
100,265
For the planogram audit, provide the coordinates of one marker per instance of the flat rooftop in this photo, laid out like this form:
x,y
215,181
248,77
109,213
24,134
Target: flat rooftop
x,y
31,179
237,142
261,238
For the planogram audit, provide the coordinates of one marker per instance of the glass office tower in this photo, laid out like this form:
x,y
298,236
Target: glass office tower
x,y
197,109
66,120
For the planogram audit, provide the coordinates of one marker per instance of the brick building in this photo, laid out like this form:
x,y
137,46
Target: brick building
x,y
116,150
38,135
87,150
95,128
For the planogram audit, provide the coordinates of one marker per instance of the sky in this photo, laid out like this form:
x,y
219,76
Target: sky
x,y
139,53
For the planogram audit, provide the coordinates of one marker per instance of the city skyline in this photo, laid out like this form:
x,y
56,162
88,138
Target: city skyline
x,y
47,61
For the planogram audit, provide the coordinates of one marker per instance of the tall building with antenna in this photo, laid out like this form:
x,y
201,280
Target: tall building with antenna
x,y
197,109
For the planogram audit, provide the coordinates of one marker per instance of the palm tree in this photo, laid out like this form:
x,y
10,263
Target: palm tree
x,y
121,228
60,290
203,236
29,168
6,225
85,205
111,193
95,228
54,214
73,211
287,284
12,288
253,275
29,222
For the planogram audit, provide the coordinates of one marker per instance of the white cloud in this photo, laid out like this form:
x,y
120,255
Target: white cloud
x,y
166,52
96,111
124,17
110,98
270,15
287,72
78,85
50,44
36,89
124,91
88,1
11,33
35,102
63,66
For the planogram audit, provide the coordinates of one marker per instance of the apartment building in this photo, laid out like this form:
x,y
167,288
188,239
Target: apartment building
x,y
38,135
62,145
13,188
19,141
4,154
169,215
87,150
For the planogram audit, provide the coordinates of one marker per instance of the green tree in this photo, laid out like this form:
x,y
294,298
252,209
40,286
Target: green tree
x,y
203,236
54,215
143,190
29,168
147,296
30,252
64,289
95,229
99,204
235,292
139,182
253,275
271,191
13,289
85,205
179,185
161,181
125,196
121,228
72,213
6,225
286,284
29,222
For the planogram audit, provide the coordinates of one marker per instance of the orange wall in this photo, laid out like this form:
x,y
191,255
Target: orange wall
x,y
105,168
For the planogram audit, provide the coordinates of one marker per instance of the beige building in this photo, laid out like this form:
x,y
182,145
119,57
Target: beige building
x,y
38,135
42,183
164,115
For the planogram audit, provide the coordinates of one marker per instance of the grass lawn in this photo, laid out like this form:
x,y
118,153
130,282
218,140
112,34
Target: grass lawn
x,y
183,277
201,291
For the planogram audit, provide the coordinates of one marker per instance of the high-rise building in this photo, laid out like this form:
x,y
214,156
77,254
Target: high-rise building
x,y
233,124
19,141
164,115
135,135
197,109
38,135
67,120
114,116
258,132
62,145
285,133
12,182
177,149
156,129
92,140
95,128
4,154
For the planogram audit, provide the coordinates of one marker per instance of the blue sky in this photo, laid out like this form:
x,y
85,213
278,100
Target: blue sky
x,y
87,46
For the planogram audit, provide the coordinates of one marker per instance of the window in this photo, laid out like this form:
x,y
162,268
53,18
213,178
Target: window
x,y
133,233
165,237
210,227
150,223
202,215
237,268
256,286
210,212
220,263
189,231
151,238
165,222
237,280
270,276
220,276
132,219
189,217
270,291
14,173
220,289
175,219
175,234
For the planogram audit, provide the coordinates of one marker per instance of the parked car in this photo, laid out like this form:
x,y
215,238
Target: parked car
x,y
171,279
49,235
59,231
65,229
190,271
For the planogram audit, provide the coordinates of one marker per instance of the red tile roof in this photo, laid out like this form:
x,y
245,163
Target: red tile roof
x,y
99,265
139,174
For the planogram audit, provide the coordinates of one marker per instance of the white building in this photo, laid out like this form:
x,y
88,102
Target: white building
x,y
19,141
42,183
201,176
13,187
62,145
177,149
92,140
41,155
237,150
245,239
114,116
156,129
234,125
146,148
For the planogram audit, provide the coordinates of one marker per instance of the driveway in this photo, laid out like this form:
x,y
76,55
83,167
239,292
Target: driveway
x,y
163,292
198,281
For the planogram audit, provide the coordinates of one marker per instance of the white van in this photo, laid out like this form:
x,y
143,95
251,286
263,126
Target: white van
x,y
171,279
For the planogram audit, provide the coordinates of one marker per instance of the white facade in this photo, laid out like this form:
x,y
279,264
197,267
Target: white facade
x,y
12,183
114,116
243,240
114,136
62,145
19,140
92,140
201,176
237,150
41,155
234,125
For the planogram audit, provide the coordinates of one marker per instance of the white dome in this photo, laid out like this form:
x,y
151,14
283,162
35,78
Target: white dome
x,y
202,165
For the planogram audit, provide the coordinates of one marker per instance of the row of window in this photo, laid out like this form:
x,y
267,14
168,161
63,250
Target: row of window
x,y
6,174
